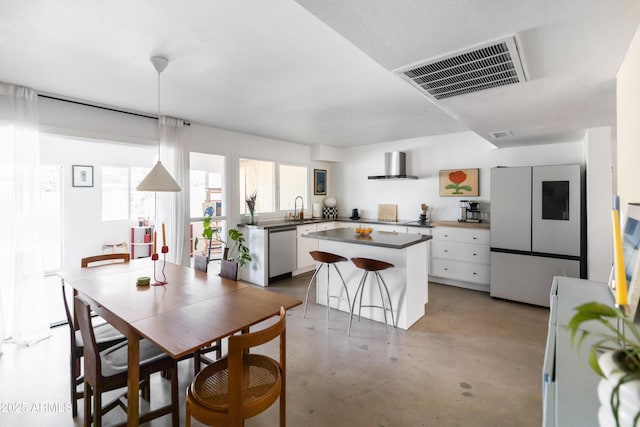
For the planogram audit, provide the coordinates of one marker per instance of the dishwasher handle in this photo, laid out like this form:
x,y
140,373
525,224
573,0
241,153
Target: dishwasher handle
x,y
281,229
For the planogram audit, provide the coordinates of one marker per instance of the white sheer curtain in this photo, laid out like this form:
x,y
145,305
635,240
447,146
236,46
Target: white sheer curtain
x,y
173,208
22,294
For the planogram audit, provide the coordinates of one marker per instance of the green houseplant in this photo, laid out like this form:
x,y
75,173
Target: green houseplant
x,y
625,347
235,250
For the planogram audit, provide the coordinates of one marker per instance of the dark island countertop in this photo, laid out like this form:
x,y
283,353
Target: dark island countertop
x,y
384,239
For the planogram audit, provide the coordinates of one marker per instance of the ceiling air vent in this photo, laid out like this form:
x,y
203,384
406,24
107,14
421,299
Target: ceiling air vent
x,y
500,134
484,67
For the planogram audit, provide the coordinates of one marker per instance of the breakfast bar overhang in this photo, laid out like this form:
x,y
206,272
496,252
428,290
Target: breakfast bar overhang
x,y
407,281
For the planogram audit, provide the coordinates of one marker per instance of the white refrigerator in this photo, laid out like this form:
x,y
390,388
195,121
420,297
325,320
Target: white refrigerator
x,y
537,230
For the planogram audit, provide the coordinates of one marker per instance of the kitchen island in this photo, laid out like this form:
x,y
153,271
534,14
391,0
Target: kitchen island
x,y
407,281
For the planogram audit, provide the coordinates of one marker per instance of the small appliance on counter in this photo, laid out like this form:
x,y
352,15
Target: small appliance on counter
x,y
354,214
469,211
424,218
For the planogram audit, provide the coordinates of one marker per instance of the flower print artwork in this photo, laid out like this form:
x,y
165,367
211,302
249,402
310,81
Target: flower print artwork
x,y
459,182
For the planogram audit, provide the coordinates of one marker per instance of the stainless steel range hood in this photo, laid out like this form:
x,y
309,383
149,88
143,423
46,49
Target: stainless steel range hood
x,y
395,167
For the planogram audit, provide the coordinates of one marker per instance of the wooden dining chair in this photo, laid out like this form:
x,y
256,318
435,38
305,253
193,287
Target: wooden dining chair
x,y
106,335
107,370
242,384
122,257
199,357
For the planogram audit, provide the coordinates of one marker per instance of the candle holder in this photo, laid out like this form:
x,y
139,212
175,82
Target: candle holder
x,y
154,258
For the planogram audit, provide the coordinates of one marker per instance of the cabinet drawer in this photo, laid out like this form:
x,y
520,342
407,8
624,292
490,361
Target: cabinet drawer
x,y
460,251
307,228
464,235
326,226
459,270
388,228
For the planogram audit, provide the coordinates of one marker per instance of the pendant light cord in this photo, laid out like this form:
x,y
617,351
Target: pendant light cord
x,y
159,125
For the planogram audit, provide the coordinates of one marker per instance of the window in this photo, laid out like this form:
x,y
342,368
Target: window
x,y
206,192
260,176
293,183
120,200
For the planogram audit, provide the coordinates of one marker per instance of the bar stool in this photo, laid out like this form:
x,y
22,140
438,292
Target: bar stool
x,y
374,266
326,259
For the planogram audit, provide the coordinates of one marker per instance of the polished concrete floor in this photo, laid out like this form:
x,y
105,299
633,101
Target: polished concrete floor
x,y
471,361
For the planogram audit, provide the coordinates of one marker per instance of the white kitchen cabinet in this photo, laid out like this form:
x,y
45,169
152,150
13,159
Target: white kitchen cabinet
x,y
304,246
460,257
329,225
394,228
343,224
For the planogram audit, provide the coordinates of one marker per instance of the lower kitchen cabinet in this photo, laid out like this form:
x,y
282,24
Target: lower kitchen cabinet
x,y
460,257
303,247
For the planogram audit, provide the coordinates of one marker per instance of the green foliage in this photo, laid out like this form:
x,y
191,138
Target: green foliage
x,y
237,252
627,344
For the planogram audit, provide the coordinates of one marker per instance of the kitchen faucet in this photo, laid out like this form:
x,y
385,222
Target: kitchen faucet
x,y
295,203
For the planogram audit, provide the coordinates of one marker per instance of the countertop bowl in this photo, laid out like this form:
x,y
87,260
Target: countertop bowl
x,y
363,231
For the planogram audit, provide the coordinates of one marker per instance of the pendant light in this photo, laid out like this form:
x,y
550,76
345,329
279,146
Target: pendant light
x,y
159,179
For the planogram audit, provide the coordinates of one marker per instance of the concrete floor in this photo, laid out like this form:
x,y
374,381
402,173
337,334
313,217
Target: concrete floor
x,y
471,361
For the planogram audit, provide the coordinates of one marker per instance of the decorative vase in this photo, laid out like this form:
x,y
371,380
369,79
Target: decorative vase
x,y
628,397
252,218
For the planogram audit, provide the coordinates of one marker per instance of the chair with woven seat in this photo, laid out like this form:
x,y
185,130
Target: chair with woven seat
x,y
372,266
199,355
107,370
241,384
327,259
106,335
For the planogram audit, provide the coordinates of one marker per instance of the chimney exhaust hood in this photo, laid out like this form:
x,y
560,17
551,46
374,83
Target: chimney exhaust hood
x,y
395,167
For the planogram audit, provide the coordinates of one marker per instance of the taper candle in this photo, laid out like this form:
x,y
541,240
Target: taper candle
x,y
618,260
164,237
154,243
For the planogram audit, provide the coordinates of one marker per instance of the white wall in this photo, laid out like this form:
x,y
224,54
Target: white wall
x,y
83,228
425,157
599,157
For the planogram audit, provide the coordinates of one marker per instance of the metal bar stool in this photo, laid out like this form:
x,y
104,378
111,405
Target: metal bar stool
x,y
374,266
328,259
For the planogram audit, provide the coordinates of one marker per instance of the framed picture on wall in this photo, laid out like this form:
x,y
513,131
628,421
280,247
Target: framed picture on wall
x,y
320,182
82,176
459,182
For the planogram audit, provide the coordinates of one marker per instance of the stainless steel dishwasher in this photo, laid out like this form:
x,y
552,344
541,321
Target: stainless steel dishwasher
x,y
282,252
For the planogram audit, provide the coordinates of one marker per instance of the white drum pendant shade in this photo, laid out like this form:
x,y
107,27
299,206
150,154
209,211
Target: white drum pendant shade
x,y
158,179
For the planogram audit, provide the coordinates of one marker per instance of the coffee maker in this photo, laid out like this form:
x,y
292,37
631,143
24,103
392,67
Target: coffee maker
x,y
469,211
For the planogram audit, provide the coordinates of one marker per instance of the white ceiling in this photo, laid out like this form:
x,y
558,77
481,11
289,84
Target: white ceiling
x,y
321,72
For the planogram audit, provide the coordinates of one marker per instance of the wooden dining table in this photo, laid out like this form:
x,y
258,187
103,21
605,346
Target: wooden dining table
x,y
192,310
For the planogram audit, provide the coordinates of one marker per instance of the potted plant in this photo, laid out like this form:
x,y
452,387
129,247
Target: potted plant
x,y
251,205
235,253
621,360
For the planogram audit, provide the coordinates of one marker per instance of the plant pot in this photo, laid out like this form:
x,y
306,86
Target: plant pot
x,y
252,219
229,269
627,397
201,263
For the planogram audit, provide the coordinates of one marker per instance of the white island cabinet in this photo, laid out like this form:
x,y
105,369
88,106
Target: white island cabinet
x,y
406,281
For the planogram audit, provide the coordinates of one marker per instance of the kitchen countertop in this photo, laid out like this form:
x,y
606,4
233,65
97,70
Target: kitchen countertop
x,y
384,239
288,223
482,225
274,224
